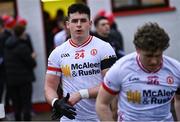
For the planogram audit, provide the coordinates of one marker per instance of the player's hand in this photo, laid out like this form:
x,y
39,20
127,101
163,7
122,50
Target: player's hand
x,y
74,98
62,108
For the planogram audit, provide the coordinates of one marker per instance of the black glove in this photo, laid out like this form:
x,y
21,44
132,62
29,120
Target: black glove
x,y
62,108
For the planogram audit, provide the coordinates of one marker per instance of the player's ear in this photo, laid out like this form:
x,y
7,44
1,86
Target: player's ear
x,y
90,22
67,24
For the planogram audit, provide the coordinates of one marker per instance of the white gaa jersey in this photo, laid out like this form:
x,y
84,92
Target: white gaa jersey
x,y
80,68
143,95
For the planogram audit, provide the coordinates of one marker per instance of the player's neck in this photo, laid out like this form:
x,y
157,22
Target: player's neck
x,y
149,69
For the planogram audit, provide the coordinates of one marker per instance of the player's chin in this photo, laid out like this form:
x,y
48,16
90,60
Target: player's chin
x,y
78,36
152,68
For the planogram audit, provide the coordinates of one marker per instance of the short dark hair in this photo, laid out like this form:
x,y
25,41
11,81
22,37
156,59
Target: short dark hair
x,y
99,18
79,7
18,30
151,37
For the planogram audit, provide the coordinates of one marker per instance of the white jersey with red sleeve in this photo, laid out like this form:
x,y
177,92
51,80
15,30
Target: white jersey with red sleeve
x,y
143,95
80,68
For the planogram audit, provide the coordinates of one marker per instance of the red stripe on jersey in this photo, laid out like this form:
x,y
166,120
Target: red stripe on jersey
x,y
109,90
84,44
73,44
88,41
54,69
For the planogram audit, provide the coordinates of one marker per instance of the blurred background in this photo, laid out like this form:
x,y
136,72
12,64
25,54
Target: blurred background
x,y
43,20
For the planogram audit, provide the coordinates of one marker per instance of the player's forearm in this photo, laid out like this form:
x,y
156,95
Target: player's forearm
x,y
93,91
104,112
89,93
50,94
177,106
50,88
103,101
114,108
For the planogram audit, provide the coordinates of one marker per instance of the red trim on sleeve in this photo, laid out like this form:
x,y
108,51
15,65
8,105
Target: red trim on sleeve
x,y
54,69
109,90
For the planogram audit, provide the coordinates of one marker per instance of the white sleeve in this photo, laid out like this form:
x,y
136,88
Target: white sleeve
x,y
54,63
56,40
107,52
113,79
60,38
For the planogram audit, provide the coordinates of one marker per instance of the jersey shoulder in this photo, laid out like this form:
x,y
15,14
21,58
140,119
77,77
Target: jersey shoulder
x,y
100,42
171,63
63,45
60,34
61,49
125,64
127,60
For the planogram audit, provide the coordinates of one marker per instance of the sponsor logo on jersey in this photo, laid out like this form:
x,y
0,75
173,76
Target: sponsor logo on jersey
x,y
134,97
66,70
84,65
150,96
157,96
79,69
157,93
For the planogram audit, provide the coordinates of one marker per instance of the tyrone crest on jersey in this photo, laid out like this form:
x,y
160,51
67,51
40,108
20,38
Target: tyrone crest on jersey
x,y
170,80
93,52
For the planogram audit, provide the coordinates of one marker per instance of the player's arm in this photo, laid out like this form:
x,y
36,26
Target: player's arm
x,y
105,65
61,106
94,91
103,101
114,107
50,88
86,93
177,104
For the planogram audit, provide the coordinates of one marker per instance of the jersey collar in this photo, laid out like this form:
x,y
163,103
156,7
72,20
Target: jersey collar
x,y
146,70
82,45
